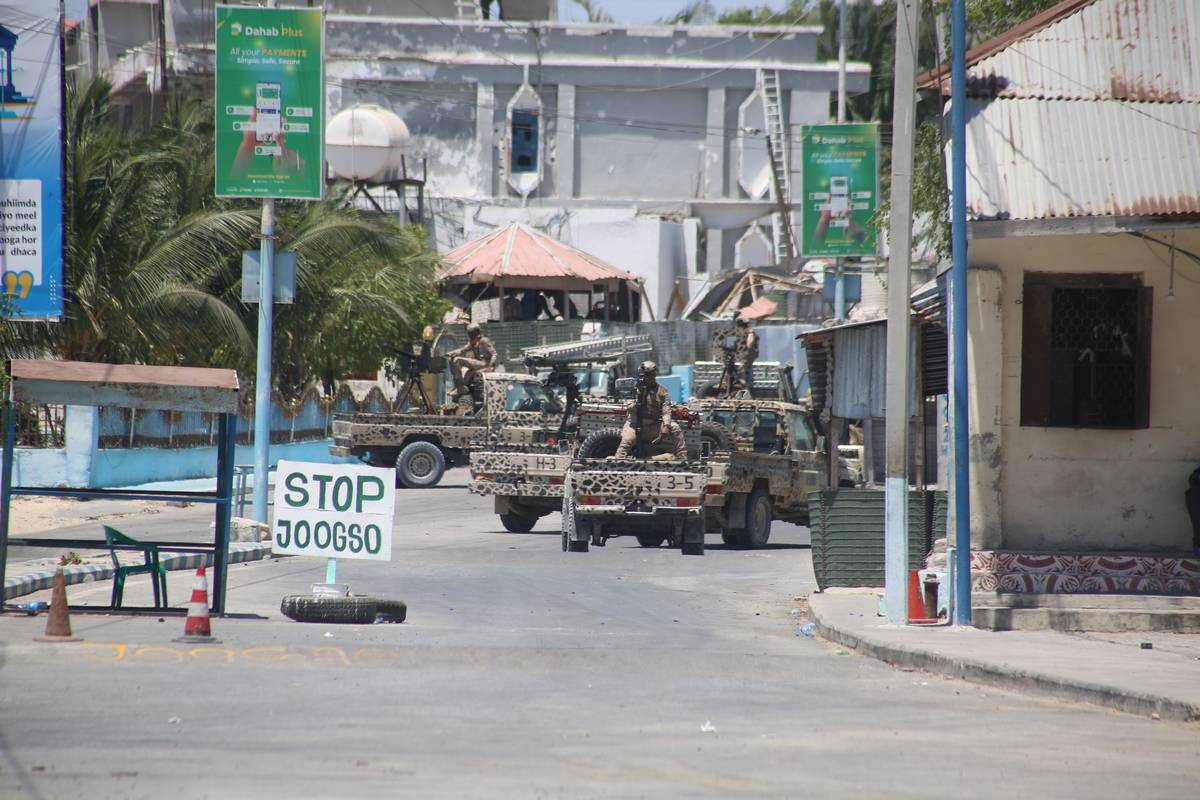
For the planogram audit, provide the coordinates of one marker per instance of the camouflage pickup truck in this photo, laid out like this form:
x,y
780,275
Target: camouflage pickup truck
x,y
526,479
777,459
421,446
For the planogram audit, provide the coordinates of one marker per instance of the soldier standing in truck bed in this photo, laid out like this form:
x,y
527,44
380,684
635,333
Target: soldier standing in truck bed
x,y
474,358
657,426
746,351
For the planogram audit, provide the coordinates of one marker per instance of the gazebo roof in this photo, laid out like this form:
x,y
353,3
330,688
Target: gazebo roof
x,y
518,256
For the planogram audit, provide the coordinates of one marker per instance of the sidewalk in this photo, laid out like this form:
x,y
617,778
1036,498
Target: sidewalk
x,y
24,577
1110,670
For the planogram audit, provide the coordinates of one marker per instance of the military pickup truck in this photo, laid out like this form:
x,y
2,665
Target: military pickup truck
x,y
777,459
421,446
526,479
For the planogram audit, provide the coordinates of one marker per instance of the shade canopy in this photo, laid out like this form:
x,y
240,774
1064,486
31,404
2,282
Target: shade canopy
x,y
519,257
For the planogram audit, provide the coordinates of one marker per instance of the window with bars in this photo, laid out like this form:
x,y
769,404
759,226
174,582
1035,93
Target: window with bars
x,y
1085,353
524,142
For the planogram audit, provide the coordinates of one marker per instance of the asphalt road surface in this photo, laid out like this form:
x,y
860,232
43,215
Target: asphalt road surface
x,y
524,671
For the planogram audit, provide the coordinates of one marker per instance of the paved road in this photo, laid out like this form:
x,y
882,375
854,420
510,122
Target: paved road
x,y
527,672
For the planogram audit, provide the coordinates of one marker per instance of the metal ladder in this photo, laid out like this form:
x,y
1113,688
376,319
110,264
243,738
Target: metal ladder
x,y
778,152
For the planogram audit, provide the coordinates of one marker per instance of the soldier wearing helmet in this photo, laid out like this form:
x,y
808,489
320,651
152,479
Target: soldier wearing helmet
x,y
745,350
471,360
651,412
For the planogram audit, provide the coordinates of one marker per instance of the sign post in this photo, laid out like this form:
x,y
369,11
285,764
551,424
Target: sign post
x,y
270,118
840,186
31,161
333,511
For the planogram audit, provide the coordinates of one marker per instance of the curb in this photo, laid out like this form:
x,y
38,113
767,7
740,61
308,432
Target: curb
x,y
1033,683
239,552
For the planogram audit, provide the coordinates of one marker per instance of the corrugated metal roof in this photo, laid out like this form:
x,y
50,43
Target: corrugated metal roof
x,y
1140,50
1034,159
518,251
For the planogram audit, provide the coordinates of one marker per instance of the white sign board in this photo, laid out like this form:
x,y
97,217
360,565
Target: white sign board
x,y
333,511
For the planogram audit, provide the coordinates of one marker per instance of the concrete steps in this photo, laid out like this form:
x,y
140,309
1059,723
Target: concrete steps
x,y
1101,613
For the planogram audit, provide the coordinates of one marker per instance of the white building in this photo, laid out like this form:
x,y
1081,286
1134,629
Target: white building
x,y
644,145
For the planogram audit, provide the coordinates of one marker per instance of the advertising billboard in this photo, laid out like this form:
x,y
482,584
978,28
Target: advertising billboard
x,y
31,162
270,102
840,182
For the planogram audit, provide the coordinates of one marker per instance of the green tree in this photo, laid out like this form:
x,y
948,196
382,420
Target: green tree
x,y
153,261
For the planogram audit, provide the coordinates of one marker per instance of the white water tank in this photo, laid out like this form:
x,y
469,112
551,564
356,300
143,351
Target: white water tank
x,y
365,142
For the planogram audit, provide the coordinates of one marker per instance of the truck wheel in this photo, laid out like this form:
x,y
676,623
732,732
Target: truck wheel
x,y
334,610
517,523
600,444
574,536
650,539
710,389
693,538
420,465
720,439
758,518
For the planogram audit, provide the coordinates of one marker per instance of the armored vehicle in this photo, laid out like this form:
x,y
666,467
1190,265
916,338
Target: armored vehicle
x,y
776,459
421,446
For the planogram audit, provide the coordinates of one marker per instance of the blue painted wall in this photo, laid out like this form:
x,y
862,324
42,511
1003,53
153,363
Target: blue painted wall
x,y
143,465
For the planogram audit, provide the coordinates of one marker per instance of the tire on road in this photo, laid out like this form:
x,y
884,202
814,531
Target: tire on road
x,y
390,610
600,444
650,539
733,538
517,523
336,610
759,514
420,465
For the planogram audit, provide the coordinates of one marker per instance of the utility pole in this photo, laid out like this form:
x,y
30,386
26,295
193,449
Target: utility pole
x,y
958,312
899,326
839,286
262,378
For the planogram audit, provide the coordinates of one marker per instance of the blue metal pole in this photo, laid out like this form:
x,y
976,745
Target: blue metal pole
x,y
958,311
839,293
262,380
6,466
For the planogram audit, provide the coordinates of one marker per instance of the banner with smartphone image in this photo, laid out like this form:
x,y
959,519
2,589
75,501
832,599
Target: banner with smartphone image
x,y
270,102
840,185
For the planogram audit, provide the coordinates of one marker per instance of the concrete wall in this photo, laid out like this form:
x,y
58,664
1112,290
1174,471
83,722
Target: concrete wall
x,y
1081,489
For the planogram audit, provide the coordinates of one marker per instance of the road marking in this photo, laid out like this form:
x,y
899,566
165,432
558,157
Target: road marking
x,y
328,656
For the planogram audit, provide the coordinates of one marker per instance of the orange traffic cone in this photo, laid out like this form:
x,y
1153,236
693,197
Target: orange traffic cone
x,y
196,628
916,603
58,621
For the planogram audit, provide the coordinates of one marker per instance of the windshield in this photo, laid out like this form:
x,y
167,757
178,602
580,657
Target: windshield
x,y
592,381
528,397
740,422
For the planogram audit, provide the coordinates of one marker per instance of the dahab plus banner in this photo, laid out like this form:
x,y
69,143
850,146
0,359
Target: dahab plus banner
x,y
31,164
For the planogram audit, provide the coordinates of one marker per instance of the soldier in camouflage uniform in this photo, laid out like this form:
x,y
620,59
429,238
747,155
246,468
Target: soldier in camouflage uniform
x,y
464,369
658,429
746,351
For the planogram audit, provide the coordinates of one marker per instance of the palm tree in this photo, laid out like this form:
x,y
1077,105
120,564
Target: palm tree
x,y
136,255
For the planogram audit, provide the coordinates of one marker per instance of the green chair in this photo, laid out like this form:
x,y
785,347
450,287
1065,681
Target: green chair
x,y
151,566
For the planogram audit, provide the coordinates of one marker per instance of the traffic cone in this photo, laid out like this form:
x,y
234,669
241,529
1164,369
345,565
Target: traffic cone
x,y
196,629
916,603
58,621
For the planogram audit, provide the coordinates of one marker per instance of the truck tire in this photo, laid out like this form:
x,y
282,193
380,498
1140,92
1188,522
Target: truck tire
x,y
710,389
517,523
720,439
390,610
420,465
335,610
650,539
570,525
758,518
693,538
600,444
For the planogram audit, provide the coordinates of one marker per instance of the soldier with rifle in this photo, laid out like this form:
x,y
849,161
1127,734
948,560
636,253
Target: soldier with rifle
x,y
648,421
474,358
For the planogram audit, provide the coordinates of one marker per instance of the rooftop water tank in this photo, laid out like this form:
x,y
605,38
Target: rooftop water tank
x,y
365,142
